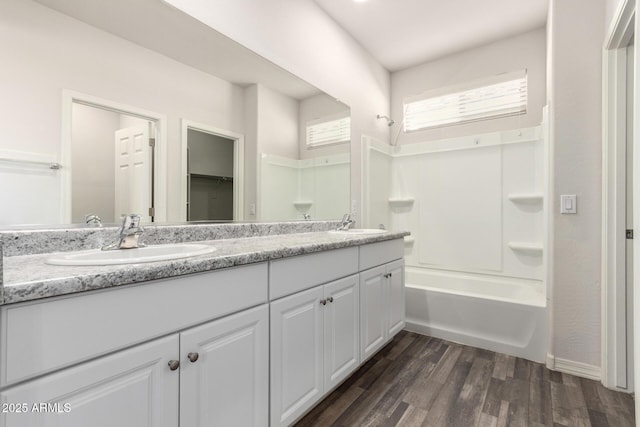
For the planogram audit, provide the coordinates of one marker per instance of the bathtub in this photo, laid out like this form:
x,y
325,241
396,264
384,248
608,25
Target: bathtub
x,y
504,315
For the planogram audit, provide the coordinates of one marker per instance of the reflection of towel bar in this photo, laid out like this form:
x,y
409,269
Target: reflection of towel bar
x,y
50,165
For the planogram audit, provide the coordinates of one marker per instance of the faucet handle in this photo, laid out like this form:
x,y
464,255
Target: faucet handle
x,y
93,219
131,221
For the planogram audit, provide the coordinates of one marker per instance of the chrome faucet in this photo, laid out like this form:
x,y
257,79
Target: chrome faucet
x,y
347,222
130,234
93,219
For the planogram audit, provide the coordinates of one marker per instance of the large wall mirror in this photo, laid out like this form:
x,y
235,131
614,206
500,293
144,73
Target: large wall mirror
x,y
160,115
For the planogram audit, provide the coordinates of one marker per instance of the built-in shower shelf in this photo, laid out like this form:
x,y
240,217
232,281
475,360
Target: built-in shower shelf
x,y
400,202
409,240
526,197
526,247
303,205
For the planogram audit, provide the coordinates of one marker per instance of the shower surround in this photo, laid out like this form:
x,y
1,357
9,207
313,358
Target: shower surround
x,y
476,210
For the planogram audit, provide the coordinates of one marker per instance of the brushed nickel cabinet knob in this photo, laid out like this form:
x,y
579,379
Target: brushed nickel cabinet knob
x,y
330,299
193,356
174,364
323,301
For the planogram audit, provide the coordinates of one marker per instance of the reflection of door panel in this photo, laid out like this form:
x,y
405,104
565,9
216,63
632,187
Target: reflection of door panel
x,y
133,172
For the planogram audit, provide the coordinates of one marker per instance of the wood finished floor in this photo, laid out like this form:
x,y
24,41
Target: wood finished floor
x,y
423,381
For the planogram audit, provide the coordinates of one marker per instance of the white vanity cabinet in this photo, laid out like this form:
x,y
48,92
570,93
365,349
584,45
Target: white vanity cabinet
x,y
314,346
254,345
314,330
134,356
382,303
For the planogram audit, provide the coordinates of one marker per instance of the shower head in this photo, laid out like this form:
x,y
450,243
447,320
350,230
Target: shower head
x,y
389,120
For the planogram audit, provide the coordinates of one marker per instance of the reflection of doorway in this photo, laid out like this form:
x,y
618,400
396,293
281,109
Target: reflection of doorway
x,y
210,177
111,158
212,173
90,147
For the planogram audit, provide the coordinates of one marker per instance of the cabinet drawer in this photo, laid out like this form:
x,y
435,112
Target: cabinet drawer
x,y
375,254
291,275
42,336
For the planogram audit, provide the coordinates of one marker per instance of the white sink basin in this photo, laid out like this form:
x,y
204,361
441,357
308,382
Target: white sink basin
x,y
131,256
358,231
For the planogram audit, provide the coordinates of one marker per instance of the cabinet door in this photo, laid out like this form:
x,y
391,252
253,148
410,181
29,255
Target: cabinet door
x,y
296,355
341,330
373,309
131,388
227,383
395,298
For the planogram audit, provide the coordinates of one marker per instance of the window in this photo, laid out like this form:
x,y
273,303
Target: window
x,y
328,130
499,96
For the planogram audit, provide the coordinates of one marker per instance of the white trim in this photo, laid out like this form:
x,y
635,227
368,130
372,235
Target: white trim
x,y
491,139
613,276
621,27
572,367
548,224
238,165
160,175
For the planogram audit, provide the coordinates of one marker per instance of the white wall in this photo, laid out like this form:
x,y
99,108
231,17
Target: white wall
x,y
277,123
301,38
45,52
575,65
525,51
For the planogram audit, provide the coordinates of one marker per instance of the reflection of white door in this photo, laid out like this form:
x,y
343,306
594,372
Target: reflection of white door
x,y
133,172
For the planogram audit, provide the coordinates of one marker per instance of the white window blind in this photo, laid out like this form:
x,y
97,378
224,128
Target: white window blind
x,y
328,131
498,96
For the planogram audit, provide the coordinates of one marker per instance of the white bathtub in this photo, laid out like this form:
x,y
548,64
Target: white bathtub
x,y
500,314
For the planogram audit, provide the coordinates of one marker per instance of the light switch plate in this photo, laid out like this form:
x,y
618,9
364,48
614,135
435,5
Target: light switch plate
x,y
568,204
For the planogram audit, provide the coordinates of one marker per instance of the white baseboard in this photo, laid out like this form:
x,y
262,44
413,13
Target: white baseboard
x,y
572,367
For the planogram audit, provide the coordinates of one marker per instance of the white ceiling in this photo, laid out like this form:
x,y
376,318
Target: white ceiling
x,y
403,33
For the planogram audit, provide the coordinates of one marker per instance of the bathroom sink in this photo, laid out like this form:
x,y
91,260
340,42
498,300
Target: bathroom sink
x,y
131,256
358,231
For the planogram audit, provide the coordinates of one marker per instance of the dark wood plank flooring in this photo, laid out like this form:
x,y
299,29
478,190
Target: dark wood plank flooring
x,y
421,381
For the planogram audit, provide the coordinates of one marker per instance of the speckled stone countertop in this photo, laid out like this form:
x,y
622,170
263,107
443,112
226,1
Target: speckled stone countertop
x,y
28,277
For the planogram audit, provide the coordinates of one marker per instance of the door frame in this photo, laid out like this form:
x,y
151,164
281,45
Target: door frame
x,y
238,164
160,151
614,355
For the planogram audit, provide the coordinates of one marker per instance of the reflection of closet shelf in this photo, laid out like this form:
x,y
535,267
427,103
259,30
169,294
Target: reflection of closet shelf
x,y
409,240
525,197
398,202
525,247
303,204
212,177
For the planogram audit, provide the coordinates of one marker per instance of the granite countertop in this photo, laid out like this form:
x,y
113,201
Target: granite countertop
x,y
28,278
